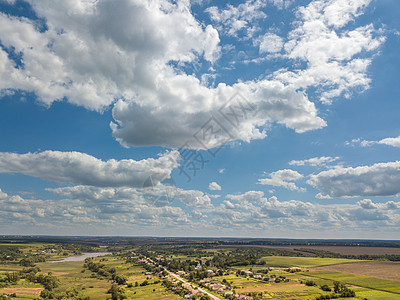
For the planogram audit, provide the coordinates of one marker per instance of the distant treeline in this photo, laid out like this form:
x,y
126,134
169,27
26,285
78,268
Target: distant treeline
x,y
114,241
350,243
329,254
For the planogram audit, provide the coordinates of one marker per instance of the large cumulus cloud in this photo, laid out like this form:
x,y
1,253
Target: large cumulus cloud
x,y
133,57
81,168
381,179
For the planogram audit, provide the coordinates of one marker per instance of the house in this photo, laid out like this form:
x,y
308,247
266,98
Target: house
x,y
217,287
247,272
186,286
244,297
195,292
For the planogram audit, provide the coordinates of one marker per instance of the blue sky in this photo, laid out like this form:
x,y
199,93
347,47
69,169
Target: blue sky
x,y
200,118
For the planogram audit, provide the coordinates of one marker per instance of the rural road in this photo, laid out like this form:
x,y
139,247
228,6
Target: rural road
x,y
184,281
199,288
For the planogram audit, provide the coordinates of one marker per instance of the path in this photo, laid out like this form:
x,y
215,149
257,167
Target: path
x,y
199,288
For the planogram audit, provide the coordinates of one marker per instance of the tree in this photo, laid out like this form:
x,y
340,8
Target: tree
x,y
12,277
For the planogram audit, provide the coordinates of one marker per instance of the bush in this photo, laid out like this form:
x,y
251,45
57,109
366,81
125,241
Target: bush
x,y
310,283
326,288
144,283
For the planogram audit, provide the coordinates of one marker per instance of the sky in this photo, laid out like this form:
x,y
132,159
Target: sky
x,y
242,118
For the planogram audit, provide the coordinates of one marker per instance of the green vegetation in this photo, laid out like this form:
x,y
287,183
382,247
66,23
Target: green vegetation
x,y
362,281
324,253
303,262
193,270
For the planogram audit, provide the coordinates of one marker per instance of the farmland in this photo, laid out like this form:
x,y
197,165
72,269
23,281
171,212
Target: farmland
x,y
369,283
345,250
188,270
304,262
378,269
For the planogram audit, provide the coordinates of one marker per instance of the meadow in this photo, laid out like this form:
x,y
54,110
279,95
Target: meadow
x,y
378,269
304,262
73,276
372,280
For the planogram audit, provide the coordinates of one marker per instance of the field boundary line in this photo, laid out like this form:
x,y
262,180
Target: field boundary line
x,y
368,287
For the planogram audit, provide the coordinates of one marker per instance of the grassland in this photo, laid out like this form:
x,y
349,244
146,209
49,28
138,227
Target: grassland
x,y
304,262
284,290
73,275
353,250
374,280
364,286
378,269
368,283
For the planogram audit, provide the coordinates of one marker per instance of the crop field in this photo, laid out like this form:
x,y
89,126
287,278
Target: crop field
x,y
354,250
146,279
336,249
283,290
378,269
369,283
72,275
303,262
23,291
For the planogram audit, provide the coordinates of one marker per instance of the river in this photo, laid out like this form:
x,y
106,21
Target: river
x,y
80,257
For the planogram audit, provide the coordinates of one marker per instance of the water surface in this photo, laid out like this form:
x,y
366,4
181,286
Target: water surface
x,y
80,257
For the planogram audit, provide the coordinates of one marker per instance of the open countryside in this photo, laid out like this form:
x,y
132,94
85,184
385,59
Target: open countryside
x,y
158,268
199,149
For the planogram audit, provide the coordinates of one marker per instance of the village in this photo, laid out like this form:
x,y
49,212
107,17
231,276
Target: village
x,y
191,270
204,281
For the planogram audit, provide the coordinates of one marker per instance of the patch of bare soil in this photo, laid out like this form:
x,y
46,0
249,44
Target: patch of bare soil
x,y
30,292
378,269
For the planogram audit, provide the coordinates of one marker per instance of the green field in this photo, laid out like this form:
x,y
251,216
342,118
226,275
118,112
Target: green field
x,y
363,281
293,289
73,277
304,262
89,284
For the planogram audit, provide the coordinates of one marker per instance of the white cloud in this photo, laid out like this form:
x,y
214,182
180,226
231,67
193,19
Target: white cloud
x,y
367,204
336,57
322,196
131,56
81,168
359,141
159,195
124,209
110,210
213,186
381,179
281,4
283,178
269,43
256,212
233,19
96,52
250,196
315,161
264,102
221,171
394,142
